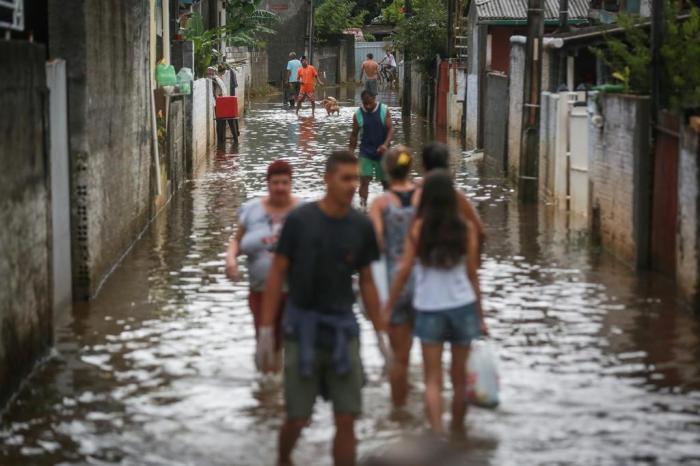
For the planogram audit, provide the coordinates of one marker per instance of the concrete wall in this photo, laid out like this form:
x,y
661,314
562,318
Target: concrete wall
x,y
496,121
688,240
326,61
290,34
419,92
620,177
203,130
176,145
25,260
110,128
515,107
259,68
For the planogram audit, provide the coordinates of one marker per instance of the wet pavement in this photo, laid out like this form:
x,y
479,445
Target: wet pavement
x,y
598,364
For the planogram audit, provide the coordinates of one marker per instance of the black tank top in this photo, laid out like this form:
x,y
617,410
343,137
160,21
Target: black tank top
x,y
404,197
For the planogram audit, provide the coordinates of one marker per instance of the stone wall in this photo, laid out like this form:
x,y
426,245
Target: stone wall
x,y
110,129
25,261
496,120
515,107
620,177
688,240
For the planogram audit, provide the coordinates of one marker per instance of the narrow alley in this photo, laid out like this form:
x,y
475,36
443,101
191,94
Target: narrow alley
x,y
597,364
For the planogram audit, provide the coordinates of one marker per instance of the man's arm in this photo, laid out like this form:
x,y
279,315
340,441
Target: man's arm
x,y
370,297
389,133
318,79
375,215
362,71
353,135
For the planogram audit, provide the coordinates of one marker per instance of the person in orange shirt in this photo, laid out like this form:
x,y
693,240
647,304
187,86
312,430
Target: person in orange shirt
x,y
307,76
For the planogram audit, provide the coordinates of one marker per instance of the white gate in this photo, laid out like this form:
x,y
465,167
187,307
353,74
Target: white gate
x,y
378,49
578,159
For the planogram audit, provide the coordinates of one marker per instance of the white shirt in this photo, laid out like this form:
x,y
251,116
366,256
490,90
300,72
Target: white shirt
x,y
392,60
442,289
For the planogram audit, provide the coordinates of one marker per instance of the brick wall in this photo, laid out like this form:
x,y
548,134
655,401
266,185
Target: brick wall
x,y
25,257
620,177
688,240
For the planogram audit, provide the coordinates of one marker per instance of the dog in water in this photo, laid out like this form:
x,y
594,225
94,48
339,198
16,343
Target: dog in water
x,y
331,106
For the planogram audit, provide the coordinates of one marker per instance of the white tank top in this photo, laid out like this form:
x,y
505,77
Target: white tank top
x,y
442,289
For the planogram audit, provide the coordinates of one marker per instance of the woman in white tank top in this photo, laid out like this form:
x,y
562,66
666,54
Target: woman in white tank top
x,y
444,249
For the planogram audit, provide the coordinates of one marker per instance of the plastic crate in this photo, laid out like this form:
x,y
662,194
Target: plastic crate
x,y
226,107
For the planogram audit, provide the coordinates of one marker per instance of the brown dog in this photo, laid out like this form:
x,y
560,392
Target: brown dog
x,y
331,106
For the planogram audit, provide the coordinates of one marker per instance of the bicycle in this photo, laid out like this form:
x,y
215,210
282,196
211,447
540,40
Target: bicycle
x,y
388,75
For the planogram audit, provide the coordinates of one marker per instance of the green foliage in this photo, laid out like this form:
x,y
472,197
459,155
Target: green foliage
x,y
629,57
335,16
425,33
394,12
245,24
681,55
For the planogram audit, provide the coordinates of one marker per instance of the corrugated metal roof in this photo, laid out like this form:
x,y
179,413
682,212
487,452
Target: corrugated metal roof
x,y
488,10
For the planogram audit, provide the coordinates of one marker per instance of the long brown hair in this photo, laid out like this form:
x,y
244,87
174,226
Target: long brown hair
x,y
443,234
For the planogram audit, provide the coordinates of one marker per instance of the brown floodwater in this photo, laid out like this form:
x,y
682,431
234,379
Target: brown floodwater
x,y
598,364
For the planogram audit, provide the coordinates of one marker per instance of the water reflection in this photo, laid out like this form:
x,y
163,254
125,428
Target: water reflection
x,y
598,364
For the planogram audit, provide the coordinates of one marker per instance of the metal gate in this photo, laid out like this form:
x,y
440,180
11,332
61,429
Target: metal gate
x,y
664,217
378,49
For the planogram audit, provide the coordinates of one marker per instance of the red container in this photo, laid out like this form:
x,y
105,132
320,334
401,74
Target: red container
x,y
226,107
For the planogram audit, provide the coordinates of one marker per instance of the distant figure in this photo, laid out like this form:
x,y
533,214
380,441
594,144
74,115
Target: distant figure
x,y
371,125
308,76
219,90
370,70
293,66
389,61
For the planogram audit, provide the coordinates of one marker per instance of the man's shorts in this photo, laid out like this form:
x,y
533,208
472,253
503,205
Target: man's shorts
x,y
370,168
310,96
372,86
300,392
458,326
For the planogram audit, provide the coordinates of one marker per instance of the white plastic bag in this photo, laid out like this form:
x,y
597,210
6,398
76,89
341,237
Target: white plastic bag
x,y
381,279
482,375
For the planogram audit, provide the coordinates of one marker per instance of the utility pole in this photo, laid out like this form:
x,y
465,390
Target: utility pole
x,y
407,82
563,27
529,143
657,35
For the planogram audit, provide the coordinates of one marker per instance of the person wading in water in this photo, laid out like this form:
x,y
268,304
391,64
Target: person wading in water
x,y
260,221
321,246
307,76
444,248
371,124
392,215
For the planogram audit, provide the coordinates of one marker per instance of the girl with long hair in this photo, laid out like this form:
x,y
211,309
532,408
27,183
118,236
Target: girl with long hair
x,y
442,248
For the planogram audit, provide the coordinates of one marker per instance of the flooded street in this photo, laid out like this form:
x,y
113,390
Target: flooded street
x,y
598,364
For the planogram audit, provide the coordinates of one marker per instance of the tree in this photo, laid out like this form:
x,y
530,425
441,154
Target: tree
x,y
333,17
424,33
